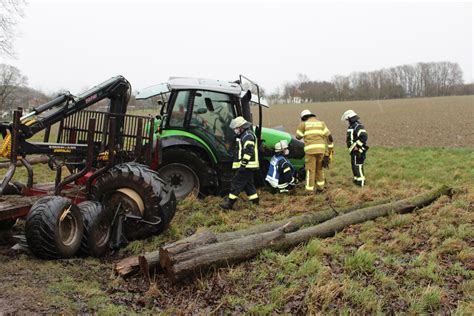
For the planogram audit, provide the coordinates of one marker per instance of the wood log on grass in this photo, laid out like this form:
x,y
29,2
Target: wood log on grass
x,y
130,265
218,254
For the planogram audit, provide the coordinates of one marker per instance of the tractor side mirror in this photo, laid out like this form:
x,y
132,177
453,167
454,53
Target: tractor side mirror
x,y
209,104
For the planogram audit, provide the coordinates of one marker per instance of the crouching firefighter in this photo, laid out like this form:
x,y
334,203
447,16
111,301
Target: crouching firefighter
x,y
245,163
357,144
280,174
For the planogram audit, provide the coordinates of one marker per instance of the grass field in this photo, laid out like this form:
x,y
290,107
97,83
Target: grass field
x,y
421,262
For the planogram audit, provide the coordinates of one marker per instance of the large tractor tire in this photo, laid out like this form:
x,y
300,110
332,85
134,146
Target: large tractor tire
x,y
186,172
97,229
11,189
139,192
54,228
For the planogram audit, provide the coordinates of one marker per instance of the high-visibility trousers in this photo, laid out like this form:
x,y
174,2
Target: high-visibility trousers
x,y
357,164
314,171
243,180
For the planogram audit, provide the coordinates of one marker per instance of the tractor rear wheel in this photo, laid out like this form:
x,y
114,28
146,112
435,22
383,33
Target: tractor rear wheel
x,y
140,194
97,229
54,228
185,171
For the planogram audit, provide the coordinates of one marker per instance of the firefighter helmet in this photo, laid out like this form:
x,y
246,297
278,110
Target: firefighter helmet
x,y
348,114
239,121
281,146
306,113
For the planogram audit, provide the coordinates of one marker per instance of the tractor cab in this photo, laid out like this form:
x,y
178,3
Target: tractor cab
x,y
202,107
195,137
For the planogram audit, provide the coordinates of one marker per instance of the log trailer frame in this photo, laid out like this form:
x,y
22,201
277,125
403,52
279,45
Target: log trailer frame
x,y
110,195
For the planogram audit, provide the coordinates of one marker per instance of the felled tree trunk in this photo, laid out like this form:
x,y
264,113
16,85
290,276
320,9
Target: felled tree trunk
x,y
209,256
130,265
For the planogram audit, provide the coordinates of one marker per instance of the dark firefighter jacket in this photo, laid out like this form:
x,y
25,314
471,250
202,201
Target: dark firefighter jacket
x,y
280,172
247,151
357,137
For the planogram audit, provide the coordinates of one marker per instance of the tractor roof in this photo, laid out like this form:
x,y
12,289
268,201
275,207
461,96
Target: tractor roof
x,y
183,83
187,83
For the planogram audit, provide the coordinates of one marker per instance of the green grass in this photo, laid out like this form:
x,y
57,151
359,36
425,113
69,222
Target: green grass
x,y
412,263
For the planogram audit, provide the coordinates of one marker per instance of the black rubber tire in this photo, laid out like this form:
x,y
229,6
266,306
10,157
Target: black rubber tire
x,y
97,229
44,228
157,197
14,188
7,224
206,176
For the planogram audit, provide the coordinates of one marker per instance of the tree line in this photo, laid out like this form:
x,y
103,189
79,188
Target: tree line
x,y
405,81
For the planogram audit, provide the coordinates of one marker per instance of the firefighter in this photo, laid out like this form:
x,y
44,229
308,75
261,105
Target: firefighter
x,y
280,174
245,163
357,144
318,148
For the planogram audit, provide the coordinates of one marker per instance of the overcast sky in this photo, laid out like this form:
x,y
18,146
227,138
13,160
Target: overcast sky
x,y
76,44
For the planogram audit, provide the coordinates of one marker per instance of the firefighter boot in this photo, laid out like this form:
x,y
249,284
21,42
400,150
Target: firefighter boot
x,y
228,204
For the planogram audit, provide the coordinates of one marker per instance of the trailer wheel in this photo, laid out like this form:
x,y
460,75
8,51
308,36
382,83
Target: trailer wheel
x,y
140,193
54,228
97,229
14,188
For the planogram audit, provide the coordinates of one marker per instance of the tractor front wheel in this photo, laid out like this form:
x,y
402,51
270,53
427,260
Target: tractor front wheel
x,y
54,228
186,172
182,179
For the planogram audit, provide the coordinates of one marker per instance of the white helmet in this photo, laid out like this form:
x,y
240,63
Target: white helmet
x,y
281,146
238,122
306,113
348,114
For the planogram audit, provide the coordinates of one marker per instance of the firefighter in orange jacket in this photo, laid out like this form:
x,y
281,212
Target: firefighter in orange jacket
x,y
318,148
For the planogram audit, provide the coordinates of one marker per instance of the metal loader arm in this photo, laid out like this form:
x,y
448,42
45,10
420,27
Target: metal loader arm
x,y
117,89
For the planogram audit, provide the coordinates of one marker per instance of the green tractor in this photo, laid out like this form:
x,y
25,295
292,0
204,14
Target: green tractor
x,y
196,142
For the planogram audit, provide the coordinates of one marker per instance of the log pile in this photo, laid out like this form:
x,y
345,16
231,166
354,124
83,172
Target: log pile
x,y
205,250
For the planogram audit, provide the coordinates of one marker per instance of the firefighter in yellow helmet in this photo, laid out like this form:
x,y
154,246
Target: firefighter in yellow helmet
x,y
318,148
245,163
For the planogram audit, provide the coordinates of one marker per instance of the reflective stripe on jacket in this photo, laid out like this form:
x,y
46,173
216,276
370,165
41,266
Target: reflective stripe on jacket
x,y
316,136
280,172
357,137
247,153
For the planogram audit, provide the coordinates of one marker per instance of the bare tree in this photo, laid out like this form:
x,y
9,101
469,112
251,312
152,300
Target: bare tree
x,y
10,80
10,12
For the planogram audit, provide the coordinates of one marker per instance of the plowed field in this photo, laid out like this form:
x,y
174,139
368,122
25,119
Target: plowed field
x,y
424,122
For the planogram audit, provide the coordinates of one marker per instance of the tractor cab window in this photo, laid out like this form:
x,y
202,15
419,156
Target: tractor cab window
x,y
178,113
212,117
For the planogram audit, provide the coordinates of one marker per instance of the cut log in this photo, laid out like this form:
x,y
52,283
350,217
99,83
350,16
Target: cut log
x,y
214,255
33,160
129,266
168,251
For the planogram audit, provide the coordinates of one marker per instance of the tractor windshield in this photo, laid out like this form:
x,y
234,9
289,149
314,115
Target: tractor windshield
x,y
212,122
